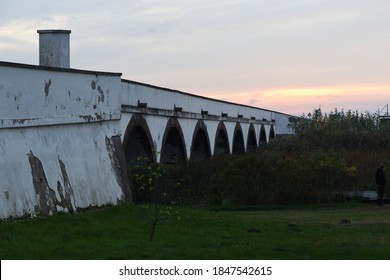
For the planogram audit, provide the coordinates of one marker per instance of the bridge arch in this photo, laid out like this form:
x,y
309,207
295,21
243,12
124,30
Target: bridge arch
x,y
263,136
251,143
221,145
137,142
173,145
238,140
200,148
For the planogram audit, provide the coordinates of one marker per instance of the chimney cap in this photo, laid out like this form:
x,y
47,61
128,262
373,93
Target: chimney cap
x,y
53,31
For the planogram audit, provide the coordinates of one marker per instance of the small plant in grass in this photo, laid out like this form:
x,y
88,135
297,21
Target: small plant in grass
x,y
146,177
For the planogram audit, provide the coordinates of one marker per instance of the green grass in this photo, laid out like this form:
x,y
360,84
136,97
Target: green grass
x,y
122,232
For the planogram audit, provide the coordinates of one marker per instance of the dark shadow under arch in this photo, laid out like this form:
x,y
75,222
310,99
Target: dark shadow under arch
x,y
137,142
263,136
251,143
238,140
200,148
271,133
221,146
173,146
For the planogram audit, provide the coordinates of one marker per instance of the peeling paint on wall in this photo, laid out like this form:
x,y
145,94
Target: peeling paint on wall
x,y
93,84
46,199
66,198
101,94
47,86
118,163
6,195
47,203
53,125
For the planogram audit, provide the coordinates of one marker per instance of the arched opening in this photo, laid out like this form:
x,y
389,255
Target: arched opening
x,y
271,133
138,154
238,140
137,142
263,136
200,148
221,145
251,143
173,148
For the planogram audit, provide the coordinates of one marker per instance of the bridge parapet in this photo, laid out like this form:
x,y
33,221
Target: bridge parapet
x,y
135,93
35,96
60,145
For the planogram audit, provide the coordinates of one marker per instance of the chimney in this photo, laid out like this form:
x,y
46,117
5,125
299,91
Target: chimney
x,y
54,48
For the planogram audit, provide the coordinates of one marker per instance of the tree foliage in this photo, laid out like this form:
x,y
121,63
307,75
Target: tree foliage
x,y
340,130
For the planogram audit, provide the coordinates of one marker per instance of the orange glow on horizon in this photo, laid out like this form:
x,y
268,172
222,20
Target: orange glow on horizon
x,y
304,99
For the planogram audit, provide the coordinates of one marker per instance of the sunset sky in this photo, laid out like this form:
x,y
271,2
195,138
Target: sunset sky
x,y
284,55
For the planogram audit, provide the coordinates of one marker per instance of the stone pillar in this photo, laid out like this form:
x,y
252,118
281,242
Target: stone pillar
x,y
54,48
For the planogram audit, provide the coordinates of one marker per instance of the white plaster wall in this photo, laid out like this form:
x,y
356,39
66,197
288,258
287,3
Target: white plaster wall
x,y
282,122
41,97
188,128
57,115
157,125
82,148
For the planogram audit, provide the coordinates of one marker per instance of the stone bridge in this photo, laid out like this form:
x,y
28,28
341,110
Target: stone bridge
x,y
169,126
67,135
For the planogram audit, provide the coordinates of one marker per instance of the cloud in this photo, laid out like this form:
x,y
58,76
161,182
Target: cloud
x,y
278,54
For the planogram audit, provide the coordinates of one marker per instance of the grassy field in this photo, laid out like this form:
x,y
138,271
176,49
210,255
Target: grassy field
x,y
337,231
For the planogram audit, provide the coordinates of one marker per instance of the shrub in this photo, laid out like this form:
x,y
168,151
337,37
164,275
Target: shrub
x,y
266,177
328,156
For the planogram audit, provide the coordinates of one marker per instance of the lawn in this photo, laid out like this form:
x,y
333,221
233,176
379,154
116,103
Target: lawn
x,y
331,231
